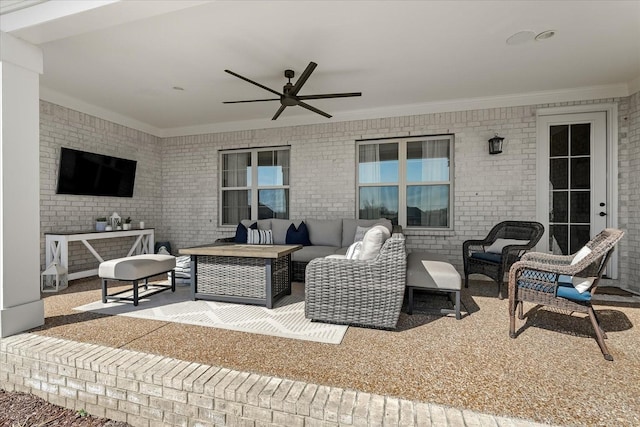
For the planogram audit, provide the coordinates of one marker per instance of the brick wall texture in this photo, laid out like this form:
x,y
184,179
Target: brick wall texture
x,y
629,192
176,188
62,127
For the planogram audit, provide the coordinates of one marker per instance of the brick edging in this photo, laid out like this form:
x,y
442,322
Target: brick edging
x,y
150,390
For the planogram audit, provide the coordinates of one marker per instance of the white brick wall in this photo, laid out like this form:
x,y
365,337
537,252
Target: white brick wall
x,y
629,190
62,127
488,189
177,181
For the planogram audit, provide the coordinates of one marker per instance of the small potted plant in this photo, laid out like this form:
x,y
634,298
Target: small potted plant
x,y
101,223
127,224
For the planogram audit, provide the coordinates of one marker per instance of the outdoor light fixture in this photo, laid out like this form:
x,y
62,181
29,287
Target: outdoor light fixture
x,y
495,144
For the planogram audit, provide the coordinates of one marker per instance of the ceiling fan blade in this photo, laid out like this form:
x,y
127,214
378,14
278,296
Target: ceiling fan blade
x,y
280,110
252,82
303,78
314,109
250,100
330,95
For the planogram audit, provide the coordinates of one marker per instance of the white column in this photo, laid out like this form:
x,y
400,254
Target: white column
x,y
20,305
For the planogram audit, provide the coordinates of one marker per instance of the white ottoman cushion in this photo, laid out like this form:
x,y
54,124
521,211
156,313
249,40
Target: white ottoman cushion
x,y
136,267
424,273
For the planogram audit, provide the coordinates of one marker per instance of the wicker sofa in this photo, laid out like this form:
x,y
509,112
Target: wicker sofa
x,y
357,292
327,237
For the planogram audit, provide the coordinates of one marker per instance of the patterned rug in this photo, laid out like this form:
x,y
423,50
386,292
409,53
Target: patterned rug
x,y
285,320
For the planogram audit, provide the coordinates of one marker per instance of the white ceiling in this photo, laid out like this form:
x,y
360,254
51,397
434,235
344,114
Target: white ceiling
x,y
121,59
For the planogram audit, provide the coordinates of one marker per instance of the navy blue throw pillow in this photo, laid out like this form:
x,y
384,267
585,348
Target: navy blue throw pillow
x,y
241,232
299,236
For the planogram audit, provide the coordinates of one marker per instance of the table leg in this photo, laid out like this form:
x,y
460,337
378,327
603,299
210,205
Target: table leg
x,y
135,292
290,274
268,263
104,291
194,276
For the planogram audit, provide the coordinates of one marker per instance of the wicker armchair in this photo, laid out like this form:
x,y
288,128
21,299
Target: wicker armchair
x,y
546,279
477,260
356,292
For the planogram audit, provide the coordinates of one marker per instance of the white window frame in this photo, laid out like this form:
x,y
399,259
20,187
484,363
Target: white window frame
x,y
402,178
253,186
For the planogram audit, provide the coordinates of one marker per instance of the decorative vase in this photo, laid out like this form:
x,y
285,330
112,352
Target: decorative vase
x,y
108,228
100,225
126,226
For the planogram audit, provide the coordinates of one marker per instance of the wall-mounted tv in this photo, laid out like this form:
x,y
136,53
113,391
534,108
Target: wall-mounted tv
x,y
91,174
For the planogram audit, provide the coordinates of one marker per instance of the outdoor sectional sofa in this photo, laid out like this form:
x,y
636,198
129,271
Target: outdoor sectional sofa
x,y
359,292
326,237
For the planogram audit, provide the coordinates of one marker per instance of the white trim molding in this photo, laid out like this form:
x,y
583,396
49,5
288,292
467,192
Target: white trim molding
x,y
444,106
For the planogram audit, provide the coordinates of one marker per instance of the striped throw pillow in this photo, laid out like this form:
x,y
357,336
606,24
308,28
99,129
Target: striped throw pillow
x,y
259,237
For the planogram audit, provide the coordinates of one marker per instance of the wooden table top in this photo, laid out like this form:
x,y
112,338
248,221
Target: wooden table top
x,y
242,251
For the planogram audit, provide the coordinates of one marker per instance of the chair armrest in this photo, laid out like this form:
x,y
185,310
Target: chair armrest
x,y
389,266
512,253
555,265
344,270
565,269
542,257
549,268
468,244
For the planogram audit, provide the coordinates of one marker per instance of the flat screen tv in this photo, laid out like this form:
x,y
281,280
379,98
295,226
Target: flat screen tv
x,y
91,174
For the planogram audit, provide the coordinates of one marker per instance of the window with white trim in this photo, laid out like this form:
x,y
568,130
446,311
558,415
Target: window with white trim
x,y
408,181
254,184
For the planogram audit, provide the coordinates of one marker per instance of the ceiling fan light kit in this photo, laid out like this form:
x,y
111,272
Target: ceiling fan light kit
x,y
289,96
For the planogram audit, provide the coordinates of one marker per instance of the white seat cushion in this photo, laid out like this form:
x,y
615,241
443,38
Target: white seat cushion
x,y
136,267
424,273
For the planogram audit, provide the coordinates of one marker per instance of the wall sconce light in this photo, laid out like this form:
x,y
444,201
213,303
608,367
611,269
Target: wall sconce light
x,y
495,144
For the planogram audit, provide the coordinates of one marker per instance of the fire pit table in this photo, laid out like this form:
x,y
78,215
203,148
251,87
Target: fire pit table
x,y
239,273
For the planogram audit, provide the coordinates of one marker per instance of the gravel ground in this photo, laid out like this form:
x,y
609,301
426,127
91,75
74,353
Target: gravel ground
x,y
26,410
553,372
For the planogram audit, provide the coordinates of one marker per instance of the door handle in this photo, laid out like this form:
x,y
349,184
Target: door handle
x,y
602,214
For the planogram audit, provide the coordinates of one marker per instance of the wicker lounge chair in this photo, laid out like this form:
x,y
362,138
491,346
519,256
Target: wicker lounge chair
x,y
546,279
478,256
356,292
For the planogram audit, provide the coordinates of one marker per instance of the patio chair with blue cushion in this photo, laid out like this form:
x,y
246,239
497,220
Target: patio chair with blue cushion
x,y
504,245
564,282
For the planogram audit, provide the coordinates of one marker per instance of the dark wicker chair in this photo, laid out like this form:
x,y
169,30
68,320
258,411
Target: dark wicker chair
x,y
545,279
477,260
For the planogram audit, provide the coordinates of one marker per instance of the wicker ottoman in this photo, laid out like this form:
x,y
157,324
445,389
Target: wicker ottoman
x,y
426,271
133,269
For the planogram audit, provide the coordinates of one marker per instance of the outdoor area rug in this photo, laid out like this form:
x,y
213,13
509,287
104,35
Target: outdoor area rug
x,y
285,320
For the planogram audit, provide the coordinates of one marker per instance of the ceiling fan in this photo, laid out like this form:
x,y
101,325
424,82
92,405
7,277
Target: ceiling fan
x,y
289,96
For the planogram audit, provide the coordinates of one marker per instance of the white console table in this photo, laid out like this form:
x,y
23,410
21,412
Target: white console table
x,y
57,246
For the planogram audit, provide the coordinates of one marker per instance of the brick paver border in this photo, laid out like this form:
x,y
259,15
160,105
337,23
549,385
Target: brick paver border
x,y
147,390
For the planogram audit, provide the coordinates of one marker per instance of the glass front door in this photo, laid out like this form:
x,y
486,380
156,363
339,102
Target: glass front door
x,y
575,148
